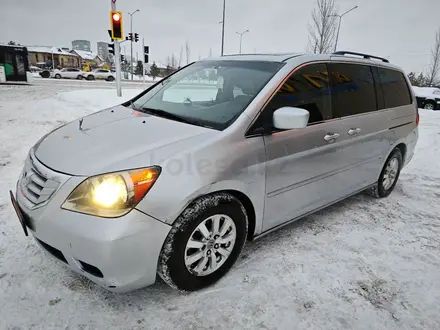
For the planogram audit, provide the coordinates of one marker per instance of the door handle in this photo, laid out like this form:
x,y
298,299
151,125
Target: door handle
x,y
354,131
330,137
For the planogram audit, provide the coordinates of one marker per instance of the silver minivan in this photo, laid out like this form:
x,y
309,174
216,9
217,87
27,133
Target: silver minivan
x,y
175,181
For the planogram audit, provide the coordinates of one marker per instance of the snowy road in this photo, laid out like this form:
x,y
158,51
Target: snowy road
x,y
361,264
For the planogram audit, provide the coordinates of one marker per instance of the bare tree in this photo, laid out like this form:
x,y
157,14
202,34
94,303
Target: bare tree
x,y
323,27
180,57
188,52
434,67
173,61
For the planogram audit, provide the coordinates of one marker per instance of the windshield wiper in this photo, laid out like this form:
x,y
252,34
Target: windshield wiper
x,y
172,116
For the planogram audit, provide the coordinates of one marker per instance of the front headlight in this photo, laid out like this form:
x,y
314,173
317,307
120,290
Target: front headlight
x,y
112,195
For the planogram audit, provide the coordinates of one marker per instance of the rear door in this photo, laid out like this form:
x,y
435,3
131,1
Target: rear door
x,y
358,101
306,168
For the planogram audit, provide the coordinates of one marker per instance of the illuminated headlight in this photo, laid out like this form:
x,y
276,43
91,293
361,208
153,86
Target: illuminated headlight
x,y
112,195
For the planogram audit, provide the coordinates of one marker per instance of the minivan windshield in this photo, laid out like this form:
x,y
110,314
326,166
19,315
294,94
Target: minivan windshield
x,y
208,93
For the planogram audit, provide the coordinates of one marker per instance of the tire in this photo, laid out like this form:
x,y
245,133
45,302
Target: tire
x,y
57,76
429,105
90,77
173,259
79,77
380,189
110,78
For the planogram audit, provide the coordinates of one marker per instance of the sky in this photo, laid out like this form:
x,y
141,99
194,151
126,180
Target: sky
x,y
401,30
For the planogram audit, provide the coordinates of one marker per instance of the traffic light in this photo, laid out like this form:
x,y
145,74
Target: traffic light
x,y
136,37
122,58
116,25
146,53
130,36
111,49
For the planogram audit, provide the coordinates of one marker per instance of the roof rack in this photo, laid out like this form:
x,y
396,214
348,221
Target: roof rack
x,y
366,56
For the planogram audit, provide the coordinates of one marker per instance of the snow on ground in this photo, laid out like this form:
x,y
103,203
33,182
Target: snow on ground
x,y
360,264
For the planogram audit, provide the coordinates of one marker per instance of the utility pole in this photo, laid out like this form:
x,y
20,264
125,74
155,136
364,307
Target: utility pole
x,y
131,42
117,58
223,27
339,25
241,37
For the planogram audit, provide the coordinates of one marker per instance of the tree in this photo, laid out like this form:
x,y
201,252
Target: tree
x,y
139,68
188,52
323,28
154,70
418,80
434,67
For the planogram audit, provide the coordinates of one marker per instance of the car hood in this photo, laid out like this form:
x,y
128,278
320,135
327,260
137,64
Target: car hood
x,y
116,139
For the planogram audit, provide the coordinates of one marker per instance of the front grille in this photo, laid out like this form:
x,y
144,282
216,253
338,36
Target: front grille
x,y
36,187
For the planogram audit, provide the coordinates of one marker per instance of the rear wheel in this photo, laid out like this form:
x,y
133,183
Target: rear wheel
x,y
429,105
90,77
204,243
79,77
389,175
58,76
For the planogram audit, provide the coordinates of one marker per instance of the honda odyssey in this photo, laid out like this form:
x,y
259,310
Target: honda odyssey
x,y
225,150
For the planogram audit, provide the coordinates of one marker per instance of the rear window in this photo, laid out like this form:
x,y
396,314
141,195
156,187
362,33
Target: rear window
x,y
395,89
352,88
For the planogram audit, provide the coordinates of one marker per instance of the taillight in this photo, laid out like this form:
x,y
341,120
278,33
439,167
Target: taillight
x,y
417,117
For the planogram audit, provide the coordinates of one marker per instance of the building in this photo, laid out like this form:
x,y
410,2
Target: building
x,y
102,49
43,56
88,58
81,45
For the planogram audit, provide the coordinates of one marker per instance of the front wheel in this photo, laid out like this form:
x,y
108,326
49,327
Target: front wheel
x,y
429,105
58,76
204,243
90,77
389,175
79,77
110,78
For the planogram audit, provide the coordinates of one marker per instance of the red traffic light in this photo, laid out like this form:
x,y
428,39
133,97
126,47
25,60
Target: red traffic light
x,y
116,25
116,17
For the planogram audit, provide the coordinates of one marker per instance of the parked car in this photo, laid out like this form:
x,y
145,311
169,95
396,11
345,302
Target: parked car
x,y
99,74
175,180
35,69
69,73
428,97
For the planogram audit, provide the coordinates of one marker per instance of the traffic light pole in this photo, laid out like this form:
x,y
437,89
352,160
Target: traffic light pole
x,y
117,58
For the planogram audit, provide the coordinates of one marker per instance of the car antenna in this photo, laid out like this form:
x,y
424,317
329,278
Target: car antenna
x,y
80,124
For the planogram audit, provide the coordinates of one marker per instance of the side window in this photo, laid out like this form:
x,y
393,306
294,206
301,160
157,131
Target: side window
x,y
395,88
307,88
352,89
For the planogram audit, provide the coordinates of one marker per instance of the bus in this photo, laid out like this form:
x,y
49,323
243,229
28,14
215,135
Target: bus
x,y
14,64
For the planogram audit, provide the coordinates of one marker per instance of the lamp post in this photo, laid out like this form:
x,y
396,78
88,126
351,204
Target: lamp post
x,y
131,43
241,37
339,25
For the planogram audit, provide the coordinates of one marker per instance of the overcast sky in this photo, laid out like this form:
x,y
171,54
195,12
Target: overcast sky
x,y
402,30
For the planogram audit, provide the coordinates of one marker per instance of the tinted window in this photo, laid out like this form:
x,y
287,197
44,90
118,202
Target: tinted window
x,y
352,88
306,88
395,89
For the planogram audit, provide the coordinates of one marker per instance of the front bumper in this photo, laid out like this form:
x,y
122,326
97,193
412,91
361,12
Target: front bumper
x,y
119,254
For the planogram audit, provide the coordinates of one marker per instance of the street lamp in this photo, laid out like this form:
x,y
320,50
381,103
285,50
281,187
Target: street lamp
x,y
241,37
339,26
131,43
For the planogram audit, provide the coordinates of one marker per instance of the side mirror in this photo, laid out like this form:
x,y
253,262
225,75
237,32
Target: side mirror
x,y
290,118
